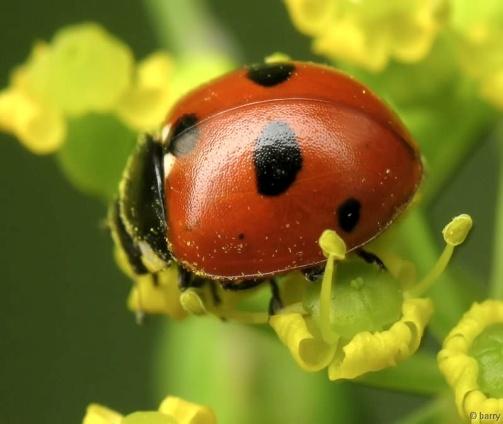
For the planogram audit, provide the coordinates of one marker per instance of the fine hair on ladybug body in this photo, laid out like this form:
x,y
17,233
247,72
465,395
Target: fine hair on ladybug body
x,y
252,167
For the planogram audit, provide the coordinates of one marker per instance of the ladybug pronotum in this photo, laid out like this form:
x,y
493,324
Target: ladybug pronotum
x,y
251,168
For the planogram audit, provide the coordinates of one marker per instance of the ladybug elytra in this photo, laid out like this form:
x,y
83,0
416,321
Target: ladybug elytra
x,y
252,167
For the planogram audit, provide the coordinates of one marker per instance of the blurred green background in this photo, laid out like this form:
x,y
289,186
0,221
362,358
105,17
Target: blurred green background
x,y
66,337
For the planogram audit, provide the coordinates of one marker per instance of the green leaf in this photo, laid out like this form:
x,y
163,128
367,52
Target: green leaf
x,y
95,153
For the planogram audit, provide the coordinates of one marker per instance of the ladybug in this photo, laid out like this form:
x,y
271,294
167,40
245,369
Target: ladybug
x,y
249,169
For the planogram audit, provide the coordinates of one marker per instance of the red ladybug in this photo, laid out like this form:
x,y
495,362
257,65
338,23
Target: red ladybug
x,y
252,167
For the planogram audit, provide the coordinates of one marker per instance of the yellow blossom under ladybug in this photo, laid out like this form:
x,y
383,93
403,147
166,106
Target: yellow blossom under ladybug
x,y
472,362
172,410
369,322
370,33
85,70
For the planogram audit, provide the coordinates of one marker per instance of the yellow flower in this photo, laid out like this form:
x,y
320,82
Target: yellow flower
x,y
370,318
480,29
87,70
472,362
98,414
157,294
172,410
39,126
84,69
369,33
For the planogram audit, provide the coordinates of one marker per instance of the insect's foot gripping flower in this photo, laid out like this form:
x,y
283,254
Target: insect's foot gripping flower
x,y
472,362
172,410
369,33
366,320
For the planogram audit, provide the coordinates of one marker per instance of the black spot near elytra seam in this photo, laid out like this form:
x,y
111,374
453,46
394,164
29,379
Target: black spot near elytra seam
x,y
269,75
183,136
277,159
349,214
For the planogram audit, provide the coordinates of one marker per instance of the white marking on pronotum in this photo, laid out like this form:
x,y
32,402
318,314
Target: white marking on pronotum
x,y
165,133
153,262
169,161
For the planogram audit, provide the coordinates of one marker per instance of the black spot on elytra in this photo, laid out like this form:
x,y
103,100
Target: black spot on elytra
x,y
269,75
184,134
349,214
241,236
277,159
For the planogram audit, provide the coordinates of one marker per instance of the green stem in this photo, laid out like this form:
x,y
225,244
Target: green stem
x,y
326,302
474,117
419,375
431,413
451,299
496,282
437,270
187,27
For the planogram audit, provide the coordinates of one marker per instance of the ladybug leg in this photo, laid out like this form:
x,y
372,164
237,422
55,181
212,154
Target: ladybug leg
x,y
275,304
371,258
215,296
313,274
184,278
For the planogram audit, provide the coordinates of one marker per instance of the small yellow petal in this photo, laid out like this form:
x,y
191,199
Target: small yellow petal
x,y
186,412
489,408
311,16
374,351
297,333
277,57
86,69
148,417
97,414
369,33
192,71
491,88
157,294
38,126
146,103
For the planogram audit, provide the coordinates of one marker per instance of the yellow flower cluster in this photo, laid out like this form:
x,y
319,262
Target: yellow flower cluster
x,y
462,369
87,70
172,410
367,351
479,26
370,33
373,320
380,338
